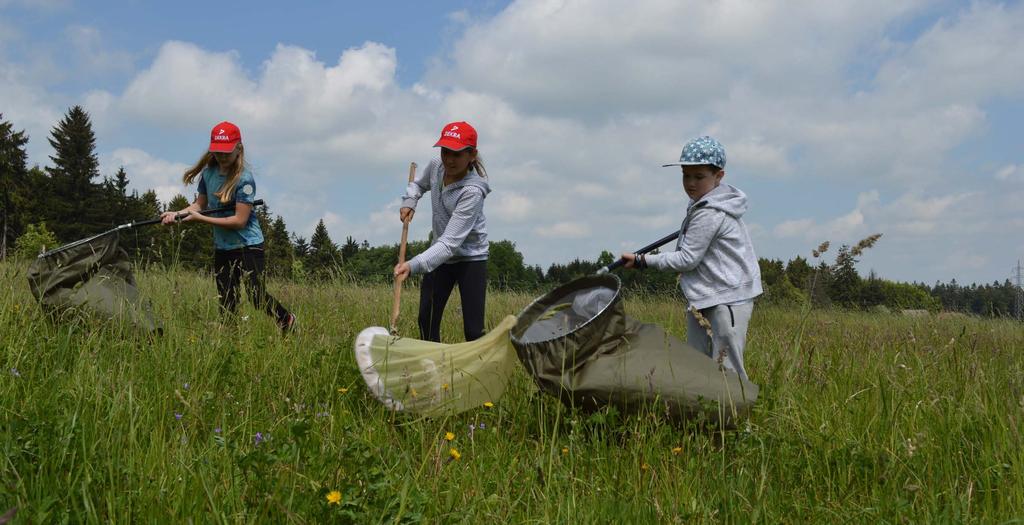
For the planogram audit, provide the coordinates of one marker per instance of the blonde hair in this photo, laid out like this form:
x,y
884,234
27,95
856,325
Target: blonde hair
x,y
478,164
234,173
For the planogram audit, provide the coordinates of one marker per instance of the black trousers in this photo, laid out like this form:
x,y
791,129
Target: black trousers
x,y
471,276
231,266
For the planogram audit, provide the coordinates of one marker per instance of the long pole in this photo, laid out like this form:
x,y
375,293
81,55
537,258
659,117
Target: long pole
x,y
401,259
178,217
649,248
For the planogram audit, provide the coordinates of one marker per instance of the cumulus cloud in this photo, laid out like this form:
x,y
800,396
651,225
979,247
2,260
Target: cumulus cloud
x,y
92,57
146,172
578,103
563,230
1011,172
907,215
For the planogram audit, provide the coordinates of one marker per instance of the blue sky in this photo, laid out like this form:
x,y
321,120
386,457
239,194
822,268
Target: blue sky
x,y
840,120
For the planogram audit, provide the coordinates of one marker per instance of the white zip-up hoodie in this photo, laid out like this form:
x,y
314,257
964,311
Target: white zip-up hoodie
x,y
714,253
459,225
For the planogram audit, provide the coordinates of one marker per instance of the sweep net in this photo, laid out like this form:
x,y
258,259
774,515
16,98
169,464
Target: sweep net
x,y
579,346
431,378
92,277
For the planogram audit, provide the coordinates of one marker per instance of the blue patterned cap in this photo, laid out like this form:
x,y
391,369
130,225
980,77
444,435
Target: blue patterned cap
x,y
701,150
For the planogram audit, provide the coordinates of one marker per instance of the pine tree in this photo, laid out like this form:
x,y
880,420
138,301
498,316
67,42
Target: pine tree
x,y
122,201
280,253
187,244
14,192
349,249
323,256
149,243
799,273
74,213
301,247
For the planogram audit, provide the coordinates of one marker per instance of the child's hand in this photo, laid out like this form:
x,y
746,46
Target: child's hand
x,y
168,217
402,270
405,214
630,259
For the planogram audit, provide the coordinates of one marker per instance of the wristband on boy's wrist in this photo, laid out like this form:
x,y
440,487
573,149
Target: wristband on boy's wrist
x,y
641,261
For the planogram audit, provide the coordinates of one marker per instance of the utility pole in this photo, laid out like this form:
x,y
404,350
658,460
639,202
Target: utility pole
x,y
1018,304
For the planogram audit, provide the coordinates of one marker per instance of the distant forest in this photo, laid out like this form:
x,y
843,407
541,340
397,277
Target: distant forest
x,y
44,207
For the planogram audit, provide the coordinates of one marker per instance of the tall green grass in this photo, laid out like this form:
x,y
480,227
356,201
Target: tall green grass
x,y
874,419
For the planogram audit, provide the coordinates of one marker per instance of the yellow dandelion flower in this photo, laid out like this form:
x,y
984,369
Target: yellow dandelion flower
x,y
645,467
677,450
412,391
333,498
444,387
454,453
448,436
489,404
565,450
342,390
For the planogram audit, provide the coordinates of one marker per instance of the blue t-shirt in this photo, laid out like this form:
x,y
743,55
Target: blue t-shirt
x,y
245,192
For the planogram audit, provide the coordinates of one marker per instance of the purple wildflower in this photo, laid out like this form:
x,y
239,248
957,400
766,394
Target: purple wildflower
x,y
177,416
258,438
15,372
216,430
482,425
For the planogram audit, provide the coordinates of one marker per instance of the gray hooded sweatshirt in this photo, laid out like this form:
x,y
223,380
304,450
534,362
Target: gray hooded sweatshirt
x,y
714,253
459,225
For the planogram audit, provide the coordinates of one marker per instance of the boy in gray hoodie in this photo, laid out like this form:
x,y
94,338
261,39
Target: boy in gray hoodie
x,y
719,274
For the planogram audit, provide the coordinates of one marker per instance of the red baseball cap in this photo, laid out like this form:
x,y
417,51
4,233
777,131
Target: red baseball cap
x,y
457,136
224,136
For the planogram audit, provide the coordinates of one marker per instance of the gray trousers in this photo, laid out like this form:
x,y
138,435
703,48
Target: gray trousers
x,y
728,334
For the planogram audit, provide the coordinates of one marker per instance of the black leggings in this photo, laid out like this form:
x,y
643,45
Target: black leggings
x,y
248,262
471,277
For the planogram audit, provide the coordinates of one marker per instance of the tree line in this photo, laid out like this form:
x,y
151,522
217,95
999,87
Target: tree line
x,y
69,199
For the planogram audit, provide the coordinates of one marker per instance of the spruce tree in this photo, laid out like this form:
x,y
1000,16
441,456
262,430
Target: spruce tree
x,y
74,212
149,242
279,250
14,191
189,244
121,198
323,256
349,249
301,247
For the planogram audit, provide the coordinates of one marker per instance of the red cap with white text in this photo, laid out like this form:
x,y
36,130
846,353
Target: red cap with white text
x,y
224,137
457,136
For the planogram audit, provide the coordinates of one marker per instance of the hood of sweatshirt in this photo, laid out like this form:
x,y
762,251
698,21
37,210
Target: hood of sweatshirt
x,y
727,198
472,179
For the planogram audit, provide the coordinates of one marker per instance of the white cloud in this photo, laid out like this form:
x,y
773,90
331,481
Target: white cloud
x,y
510,206
28,107
563,230
974,54
1011,172
146,172
579,102
93,59
909,215
295,97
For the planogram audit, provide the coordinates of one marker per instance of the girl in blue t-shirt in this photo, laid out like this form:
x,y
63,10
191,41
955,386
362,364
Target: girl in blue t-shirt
x,y
225,179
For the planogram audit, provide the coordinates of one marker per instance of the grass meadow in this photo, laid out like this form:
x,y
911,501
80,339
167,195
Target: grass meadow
x,y
863,418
